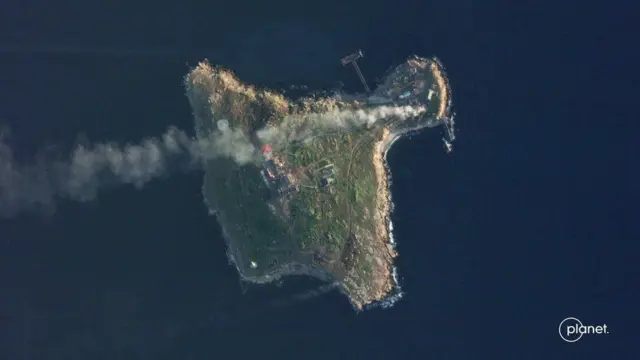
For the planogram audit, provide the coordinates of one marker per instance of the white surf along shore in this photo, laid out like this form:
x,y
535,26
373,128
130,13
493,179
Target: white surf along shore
x,y
383,213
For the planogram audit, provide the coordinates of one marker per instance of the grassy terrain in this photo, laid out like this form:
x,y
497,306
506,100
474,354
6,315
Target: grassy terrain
x,y
332,228
312,225
325,217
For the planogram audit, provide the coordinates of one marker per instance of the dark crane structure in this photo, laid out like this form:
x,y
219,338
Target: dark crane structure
x,y
352,59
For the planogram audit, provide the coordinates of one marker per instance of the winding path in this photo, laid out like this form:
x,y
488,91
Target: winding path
x,y
348,179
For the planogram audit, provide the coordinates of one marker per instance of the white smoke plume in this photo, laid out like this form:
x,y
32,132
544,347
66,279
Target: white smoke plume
x,y
296,128
90,168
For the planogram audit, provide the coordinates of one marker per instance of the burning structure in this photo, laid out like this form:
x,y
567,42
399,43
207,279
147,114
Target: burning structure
x,y
275,180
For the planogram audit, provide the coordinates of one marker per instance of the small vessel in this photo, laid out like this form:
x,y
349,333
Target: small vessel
x,y
448,146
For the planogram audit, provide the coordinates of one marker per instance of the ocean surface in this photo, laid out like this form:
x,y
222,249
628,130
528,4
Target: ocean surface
x,y
532,218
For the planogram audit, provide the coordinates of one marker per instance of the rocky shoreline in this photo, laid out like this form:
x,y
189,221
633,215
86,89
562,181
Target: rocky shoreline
x,y
443,84
383,288
382,215
387,284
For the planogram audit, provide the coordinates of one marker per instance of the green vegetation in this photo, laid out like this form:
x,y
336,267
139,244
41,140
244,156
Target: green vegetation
x,y
310,225
322,215
329,222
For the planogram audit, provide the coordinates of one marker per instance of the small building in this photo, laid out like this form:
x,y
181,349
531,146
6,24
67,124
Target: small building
x,y
271,170
266,152
327,171
327,175
404,95
325,167
326,181
269,173
285,186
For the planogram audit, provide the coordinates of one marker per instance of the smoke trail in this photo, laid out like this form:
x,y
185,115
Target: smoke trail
x,y
299,128
89,168
36,185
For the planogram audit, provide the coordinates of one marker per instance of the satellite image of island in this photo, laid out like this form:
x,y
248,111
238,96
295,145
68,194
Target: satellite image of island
x,y
317,181
304,188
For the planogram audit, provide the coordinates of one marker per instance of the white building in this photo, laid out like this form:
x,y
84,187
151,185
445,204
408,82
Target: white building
x,y
431,92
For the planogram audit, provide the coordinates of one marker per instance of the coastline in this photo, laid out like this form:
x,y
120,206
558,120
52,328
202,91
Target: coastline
x,y
384,203
383,288
382,212
445,92
387,284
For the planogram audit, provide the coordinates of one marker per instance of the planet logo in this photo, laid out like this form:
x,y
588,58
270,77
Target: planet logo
x,y
571,329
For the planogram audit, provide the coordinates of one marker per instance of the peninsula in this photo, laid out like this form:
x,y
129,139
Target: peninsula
x,y
303,188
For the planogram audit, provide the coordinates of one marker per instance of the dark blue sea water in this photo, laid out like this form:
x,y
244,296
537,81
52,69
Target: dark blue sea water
x,y
532,219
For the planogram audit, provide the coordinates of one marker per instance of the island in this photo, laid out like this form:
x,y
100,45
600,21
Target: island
x,y
301,186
